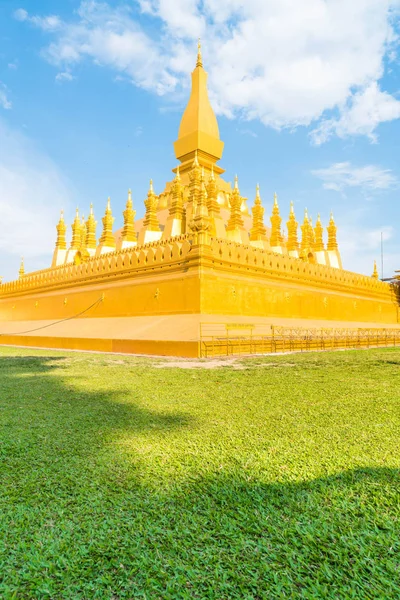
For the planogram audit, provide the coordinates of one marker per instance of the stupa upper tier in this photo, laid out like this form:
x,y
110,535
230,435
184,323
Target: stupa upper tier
x,y
199,130
198,190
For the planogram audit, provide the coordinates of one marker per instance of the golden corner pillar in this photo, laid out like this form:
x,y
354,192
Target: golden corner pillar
x,y
197,262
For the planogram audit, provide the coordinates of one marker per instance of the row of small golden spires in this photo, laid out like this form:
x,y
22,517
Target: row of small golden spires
x,y
84,233
257,202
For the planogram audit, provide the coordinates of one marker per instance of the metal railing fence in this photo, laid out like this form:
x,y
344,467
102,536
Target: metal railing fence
x,y
228,339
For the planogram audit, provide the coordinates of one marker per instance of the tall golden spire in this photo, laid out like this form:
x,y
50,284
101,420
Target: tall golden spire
x,y
61,243
292,225
150,221
276,219
235,219
258,229
107,239
319,235
332,241
21,268
76,232
199,127
91,224
128,231
375,274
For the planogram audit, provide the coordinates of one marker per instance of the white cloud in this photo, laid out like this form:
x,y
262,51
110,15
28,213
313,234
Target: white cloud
x,y
181,17
32,191
366,110
4,100
64,76
247,131
111,38
340,176
284,62
48,23
21,14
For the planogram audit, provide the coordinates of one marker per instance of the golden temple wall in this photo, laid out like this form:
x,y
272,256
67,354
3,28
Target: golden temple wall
x,y
250,281
130,280
152,299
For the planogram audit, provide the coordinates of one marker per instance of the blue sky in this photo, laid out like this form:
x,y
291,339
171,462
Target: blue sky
x,y
307,96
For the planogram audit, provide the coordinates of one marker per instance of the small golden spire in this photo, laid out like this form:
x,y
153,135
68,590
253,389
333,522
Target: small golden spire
x,y
199,62
235,219
306,231
202,196
200,225
312,234
22,268
128,231
375,274
257,198
61,231
150,221
332,229
76,232
276,220
212,199
107,239
258,229
83,233
91,224
176,208
292,226
194,176
319,235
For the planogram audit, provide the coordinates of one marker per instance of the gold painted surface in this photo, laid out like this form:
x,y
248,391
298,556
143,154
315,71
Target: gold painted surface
x,y
197,255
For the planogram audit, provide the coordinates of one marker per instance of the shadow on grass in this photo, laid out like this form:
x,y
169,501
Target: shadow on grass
x,y
57,398
71,528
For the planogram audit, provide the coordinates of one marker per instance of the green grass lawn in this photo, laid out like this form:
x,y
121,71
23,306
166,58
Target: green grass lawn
x,y
120,479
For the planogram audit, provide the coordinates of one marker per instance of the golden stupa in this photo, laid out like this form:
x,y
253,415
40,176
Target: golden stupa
x,y
197,260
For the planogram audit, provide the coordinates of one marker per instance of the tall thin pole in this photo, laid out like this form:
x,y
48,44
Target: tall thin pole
x,y
382,255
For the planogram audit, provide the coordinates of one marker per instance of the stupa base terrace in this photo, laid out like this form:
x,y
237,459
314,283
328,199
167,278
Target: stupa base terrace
x,y
170,297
